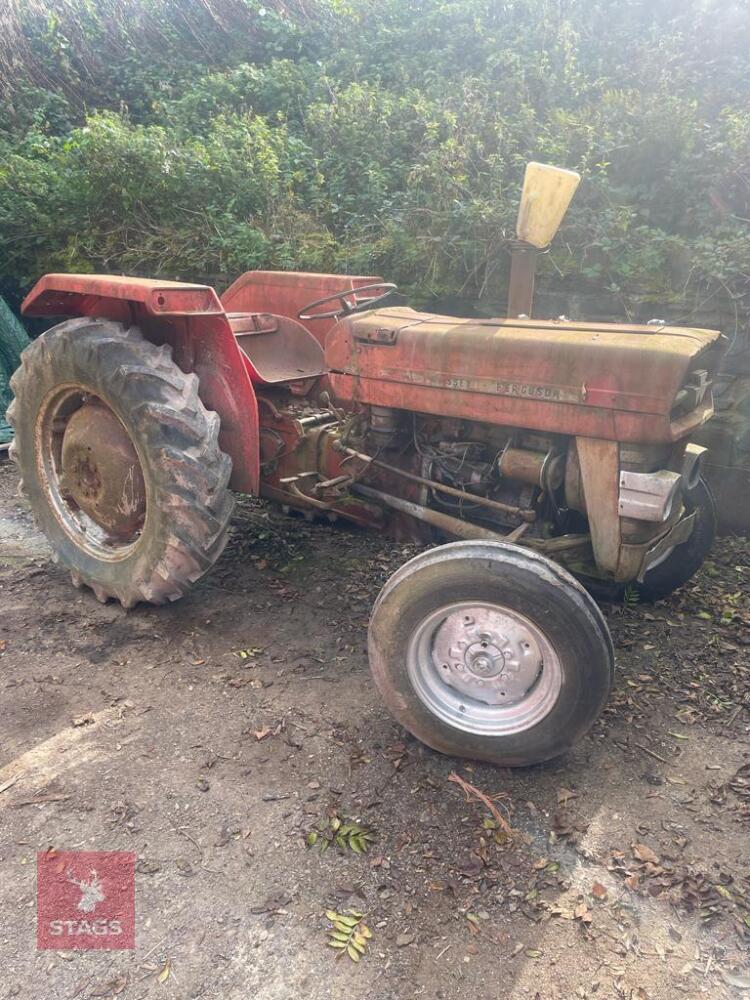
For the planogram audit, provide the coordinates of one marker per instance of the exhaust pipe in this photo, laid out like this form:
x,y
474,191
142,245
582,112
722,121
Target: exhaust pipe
x,y
547,193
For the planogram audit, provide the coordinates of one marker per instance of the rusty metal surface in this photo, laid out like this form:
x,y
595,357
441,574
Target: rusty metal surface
x,y
284,293
191,319
601,383
539,468
68,294
283,354
522,272
594,380
445,522
90,472
369,460
600,469
298,452
100,471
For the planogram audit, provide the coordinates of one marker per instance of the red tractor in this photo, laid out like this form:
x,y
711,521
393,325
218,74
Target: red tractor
x,y
552,451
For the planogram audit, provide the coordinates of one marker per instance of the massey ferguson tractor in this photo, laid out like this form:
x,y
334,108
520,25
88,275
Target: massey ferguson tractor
x,y
545,460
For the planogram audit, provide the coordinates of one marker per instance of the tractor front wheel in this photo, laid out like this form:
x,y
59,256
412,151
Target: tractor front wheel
x,y
120,461
681,563
489,651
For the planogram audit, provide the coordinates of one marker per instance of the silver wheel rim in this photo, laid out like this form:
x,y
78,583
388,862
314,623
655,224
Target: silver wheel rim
x,y
484,669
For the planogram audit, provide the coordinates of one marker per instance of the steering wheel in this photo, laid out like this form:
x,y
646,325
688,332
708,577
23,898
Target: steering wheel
x,y
346,307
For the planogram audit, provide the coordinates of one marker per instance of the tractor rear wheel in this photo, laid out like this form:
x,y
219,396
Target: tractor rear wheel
x,y
120,461
489,651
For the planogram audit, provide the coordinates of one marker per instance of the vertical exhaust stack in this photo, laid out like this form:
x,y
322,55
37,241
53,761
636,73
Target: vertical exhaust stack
x,y
547,193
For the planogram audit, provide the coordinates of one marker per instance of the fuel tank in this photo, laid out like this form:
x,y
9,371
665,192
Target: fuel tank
x,y
618,382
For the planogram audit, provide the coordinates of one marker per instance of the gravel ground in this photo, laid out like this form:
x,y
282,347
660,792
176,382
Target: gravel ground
x,y
216,733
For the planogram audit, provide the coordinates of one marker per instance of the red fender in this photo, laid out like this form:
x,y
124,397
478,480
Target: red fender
x,y
192,320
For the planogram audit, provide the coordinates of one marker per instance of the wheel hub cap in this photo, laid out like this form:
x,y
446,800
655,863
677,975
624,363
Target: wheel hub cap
x,y
100,472
489,655
483,668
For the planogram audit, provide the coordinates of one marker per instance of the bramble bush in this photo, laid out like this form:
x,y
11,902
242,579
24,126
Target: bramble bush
x,y
189,138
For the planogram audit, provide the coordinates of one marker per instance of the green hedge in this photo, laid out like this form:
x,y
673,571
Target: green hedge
x,y
194,138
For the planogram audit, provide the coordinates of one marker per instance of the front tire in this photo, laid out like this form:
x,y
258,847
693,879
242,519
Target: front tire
x,y
679,565
684,561
489,651
120,461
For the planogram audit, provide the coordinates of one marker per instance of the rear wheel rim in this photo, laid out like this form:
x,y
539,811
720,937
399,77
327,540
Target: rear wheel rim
x,y
91,473
484,669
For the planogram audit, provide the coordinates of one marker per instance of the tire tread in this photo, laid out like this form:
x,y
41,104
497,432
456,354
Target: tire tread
x,y
190,473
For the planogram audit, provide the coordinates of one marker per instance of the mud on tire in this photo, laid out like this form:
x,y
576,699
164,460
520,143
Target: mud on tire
x,y
186,475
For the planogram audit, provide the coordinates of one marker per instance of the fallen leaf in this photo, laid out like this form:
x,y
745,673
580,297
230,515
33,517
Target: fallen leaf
x,y
564,795
644,853
598,891
164,974
404,939
248,654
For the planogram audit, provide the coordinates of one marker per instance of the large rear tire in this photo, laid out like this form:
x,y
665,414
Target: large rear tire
x,y
120,461
489,651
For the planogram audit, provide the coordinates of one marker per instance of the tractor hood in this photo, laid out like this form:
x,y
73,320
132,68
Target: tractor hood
x,y
644,383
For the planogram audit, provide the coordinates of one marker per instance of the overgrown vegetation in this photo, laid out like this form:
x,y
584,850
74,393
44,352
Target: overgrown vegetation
x,y
196,138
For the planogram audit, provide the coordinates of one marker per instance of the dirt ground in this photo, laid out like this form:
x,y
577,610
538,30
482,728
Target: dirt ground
x,y
224,728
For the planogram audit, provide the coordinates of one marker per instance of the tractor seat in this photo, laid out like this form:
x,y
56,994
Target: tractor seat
x,y
278,349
